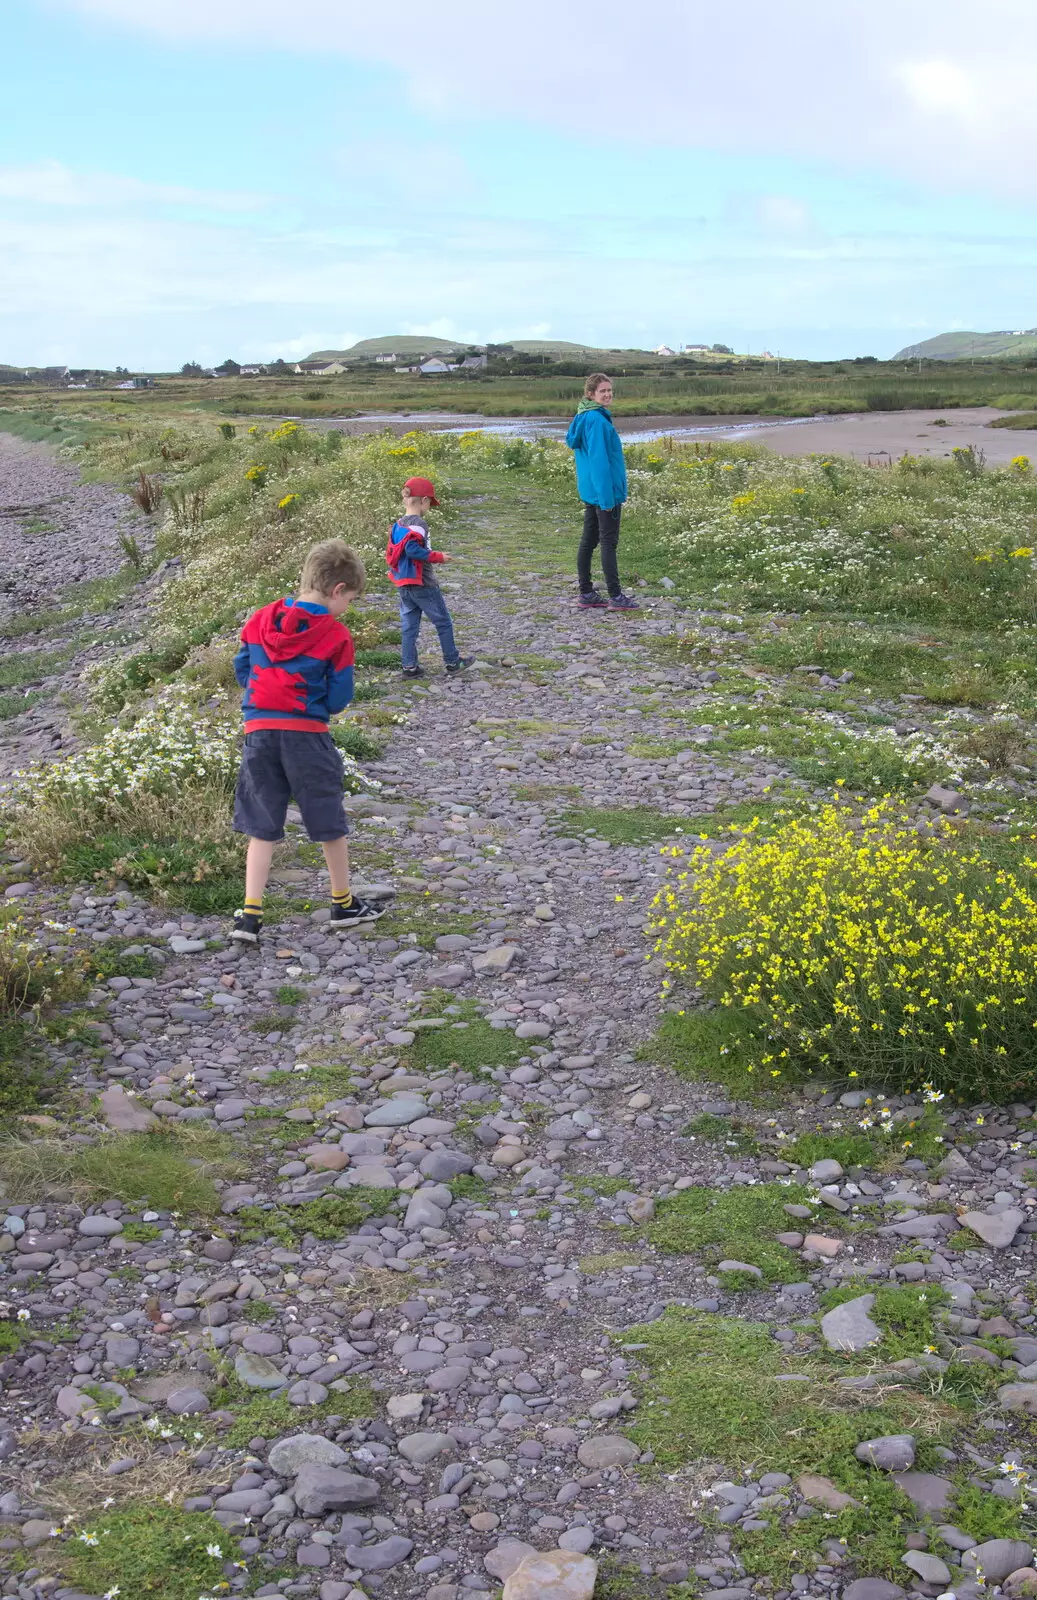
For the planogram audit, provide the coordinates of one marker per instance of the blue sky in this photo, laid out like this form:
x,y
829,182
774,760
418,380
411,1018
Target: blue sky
x,y
246,177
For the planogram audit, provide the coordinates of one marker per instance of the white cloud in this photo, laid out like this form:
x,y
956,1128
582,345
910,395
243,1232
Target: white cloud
x,y
49,183
857,82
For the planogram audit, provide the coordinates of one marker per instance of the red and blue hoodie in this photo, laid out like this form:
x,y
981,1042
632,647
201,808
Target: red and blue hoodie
x,y
409,552
295,666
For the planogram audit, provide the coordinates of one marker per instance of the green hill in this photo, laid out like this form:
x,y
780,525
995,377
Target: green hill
x,y
973,346
409,344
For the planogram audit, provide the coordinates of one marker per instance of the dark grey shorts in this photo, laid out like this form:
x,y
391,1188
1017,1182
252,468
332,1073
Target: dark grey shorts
x,y
279,765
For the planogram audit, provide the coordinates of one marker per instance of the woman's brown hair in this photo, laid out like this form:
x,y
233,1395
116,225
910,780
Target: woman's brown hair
x,y
593,382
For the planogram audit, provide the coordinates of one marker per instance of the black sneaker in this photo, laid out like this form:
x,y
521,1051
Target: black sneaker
x,y
413,672
355,915
460,664
247,927
592,601
623,602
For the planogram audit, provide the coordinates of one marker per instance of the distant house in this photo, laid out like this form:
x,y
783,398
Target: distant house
x,y
663,350
435,365
406,369
49,375
319,369
696,349
252,372
473,363
386,361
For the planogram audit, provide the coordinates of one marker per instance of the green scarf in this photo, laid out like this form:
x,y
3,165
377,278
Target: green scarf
x,y
590,405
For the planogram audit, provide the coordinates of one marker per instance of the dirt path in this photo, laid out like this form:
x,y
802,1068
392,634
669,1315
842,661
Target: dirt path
x,y
476,1352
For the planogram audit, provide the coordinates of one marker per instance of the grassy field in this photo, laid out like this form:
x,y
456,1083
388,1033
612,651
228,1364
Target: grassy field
x,y
645,387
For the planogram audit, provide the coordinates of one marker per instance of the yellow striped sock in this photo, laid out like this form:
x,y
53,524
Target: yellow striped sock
x,y
253,908
345,899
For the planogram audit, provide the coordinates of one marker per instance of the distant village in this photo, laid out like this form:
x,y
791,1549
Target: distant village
x,y
432,363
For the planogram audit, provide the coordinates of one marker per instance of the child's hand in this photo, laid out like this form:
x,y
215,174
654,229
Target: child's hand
x,y
443,556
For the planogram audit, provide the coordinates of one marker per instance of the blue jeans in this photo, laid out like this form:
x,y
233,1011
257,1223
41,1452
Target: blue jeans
x,y
425,599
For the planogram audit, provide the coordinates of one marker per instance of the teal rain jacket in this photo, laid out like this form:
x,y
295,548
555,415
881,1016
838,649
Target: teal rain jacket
x,y
601,474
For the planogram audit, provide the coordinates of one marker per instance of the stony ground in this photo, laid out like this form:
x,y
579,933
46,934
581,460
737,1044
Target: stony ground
x,y
408,1405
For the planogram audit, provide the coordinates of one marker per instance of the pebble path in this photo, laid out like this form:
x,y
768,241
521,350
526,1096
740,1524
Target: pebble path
x,y
486,1319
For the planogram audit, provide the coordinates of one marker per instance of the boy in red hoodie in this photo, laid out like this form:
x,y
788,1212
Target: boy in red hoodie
x,y
296,668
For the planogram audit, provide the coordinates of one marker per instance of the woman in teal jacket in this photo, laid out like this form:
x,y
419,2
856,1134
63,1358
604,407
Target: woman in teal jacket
x,y
601,481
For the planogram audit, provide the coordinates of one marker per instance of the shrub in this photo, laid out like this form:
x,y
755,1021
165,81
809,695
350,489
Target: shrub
x,y
854,946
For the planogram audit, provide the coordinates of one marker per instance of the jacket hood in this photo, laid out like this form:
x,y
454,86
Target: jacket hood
x,y
580,423
286,631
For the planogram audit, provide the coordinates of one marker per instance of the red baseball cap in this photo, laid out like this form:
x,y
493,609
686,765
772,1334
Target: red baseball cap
x,y
421,489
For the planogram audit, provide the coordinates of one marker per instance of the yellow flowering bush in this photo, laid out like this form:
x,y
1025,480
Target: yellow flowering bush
x,y
849,945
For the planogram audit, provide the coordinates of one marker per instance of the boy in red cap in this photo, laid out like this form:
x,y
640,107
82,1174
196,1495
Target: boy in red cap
x,y
411,558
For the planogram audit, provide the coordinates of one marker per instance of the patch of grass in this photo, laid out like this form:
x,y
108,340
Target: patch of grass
x,y
466,1186
734,1224
620,824
169,1169
17,627
331,1216
269,1416
150,1549
608,1261
201,875
351,738
289,994
714,1393
600,1183
140,1232
30,667
477,1047
697,1044
257,1311
111,961
423,917
904,1312
722,1131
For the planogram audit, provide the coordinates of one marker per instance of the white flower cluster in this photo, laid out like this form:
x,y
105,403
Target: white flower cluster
x,y
174,745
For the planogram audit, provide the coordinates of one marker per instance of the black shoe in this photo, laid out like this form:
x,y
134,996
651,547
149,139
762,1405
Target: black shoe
x,y
460,664
355,915
413,672
623,602
247,927
591,600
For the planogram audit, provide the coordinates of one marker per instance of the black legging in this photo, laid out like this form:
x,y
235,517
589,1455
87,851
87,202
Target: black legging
x,y
600,526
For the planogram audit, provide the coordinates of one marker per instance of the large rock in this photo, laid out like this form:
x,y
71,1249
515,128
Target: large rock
x,y
508,1555
1021,1397
872,1589
998,1558
895,1452
929,1568
925,1490
823,1492
553,1575
123,1114
319,1489
848,1327
995,1228
289,1456
381,1556
257,1372
607,1450
396,1113
499,959
421,1448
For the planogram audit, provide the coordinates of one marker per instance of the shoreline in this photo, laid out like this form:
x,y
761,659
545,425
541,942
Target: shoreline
x,y
877,436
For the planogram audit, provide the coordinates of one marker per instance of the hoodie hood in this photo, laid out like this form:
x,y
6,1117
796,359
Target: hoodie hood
x,y
287,630
586,404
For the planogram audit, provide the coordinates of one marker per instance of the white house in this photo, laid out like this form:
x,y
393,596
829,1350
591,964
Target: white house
x,y
435,365
663,350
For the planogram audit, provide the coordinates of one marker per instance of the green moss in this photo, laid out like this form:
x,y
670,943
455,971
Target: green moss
x,y
734,1224
466,1186
140,1232
271,1416
150,1549
721,1131
257,1311
620,824
329,1217
289,994
476,1047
